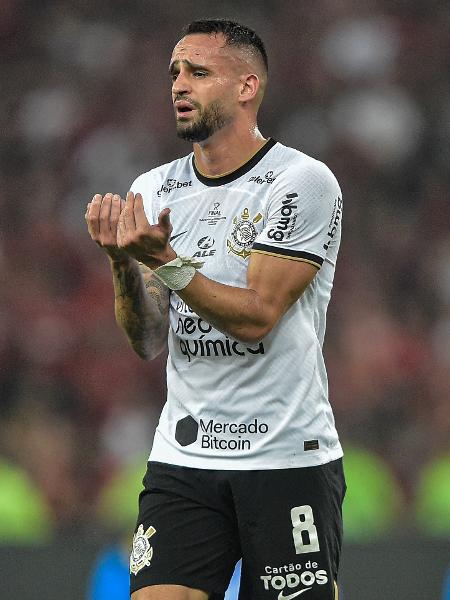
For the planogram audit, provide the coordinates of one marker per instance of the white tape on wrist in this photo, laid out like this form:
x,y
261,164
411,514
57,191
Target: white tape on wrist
x,y
179,272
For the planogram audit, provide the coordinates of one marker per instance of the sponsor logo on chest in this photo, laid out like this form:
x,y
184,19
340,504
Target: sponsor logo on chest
x,y
205,244
172,184
268,178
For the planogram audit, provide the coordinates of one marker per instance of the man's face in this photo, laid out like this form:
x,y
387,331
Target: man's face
x,y
205,84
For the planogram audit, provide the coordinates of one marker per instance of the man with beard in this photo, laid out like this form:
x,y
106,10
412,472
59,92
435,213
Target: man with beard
x,y
229,255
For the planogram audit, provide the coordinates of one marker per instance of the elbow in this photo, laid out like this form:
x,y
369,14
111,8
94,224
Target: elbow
x,y
142,351
147,351
258,322
254,334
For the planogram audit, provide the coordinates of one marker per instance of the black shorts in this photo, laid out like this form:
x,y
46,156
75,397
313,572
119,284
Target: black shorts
x,y
286,524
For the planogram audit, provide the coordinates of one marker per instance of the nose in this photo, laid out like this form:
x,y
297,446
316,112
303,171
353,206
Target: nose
x,y
181,84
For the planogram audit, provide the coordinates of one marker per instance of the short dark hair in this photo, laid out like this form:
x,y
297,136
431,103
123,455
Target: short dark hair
x,y
234,33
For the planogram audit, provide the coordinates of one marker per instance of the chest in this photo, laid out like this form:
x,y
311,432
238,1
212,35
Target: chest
x,y
218,226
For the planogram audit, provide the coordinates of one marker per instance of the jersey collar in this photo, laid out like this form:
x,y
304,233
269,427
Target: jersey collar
x,y
229,177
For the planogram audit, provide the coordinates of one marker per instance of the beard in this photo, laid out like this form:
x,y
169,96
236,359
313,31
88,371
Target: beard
x,y
211,119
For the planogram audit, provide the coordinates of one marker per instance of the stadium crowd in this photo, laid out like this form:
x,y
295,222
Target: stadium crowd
x,y
85,107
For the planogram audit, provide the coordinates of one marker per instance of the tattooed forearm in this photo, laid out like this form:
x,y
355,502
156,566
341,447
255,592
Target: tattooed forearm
x,y
127,281
141,307
158,293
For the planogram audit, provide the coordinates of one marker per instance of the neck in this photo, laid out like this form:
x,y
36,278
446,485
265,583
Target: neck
x,y
226,151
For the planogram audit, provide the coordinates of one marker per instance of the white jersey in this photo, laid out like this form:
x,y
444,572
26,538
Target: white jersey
x,y
232,405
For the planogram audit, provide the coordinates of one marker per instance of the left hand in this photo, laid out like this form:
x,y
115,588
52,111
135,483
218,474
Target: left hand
x,y
149,244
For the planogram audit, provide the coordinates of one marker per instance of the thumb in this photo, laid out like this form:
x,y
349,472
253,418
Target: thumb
x,y
164,220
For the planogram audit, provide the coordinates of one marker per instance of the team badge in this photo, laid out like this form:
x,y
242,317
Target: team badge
x,y
142,552
243,234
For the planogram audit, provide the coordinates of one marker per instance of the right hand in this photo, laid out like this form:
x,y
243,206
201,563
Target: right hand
x,y
102,216
148,244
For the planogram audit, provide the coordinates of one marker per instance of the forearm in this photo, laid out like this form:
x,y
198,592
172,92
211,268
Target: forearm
x,y
246,314
141,307
239,312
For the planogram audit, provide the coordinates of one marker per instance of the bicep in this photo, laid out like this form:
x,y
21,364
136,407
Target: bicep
x,y
293,244
279,282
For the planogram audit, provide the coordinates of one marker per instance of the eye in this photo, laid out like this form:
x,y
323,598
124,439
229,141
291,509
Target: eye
x,y
200,74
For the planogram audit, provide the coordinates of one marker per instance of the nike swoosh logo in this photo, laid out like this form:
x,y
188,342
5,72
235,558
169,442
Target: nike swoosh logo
x,y
174,237
281,596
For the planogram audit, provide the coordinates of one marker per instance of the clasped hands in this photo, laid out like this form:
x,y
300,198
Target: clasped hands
x,y
121,228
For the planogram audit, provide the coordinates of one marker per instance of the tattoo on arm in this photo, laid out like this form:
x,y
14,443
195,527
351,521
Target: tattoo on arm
x,y
158,292
141,307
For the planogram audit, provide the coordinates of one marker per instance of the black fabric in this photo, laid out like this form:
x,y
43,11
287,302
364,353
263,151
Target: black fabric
x,y
205,520
245,168
288,252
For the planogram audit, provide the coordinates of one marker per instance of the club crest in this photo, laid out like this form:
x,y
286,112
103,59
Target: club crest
x,y
243,234
142,552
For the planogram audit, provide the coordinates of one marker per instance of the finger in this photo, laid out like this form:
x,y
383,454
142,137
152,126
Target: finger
x,y
164,220
139,212
105,211
92,215
130,198
120,230
128,213
115,212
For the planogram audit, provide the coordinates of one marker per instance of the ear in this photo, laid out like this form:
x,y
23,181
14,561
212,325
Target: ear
x,y
249,87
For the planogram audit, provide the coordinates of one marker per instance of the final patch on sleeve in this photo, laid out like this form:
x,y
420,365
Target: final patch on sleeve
x,y
142,552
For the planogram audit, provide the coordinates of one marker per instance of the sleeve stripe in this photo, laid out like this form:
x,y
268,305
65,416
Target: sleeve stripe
x,y
302,256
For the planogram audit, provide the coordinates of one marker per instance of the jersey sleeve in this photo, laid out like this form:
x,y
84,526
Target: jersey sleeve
x,y
304,215
147,185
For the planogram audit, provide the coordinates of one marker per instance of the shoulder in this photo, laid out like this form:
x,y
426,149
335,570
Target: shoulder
x,y
158,175
304,175
302,168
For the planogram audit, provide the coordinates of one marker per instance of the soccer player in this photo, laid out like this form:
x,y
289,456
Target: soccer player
x,y
229,255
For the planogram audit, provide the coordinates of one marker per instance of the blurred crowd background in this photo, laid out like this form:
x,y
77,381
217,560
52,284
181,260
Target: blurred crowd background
x,y
84,108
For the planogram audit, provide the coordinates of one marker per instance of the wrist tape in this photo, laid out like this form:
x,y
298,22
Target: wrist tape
x,y
178,273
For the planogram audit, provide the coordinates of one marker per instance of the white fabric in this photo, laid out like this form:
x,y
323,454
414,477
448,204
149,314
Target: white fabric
x,y
237,406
